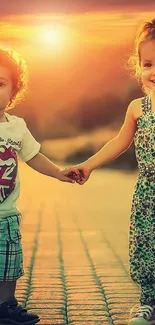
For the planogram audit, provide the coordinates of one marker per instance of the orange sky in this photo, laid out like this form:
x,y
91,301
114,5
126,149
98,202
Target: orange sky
x,y
91,22
81,62
19,7
80,46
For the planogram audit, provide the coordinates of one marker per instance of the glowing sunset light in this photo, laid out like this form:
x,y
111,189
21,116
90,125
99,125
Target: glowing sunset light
x,y
54,35
51,36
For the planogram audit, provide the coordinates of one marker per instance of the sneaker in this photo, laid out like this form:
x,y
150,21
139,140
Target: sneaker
x,y
145,315
13,314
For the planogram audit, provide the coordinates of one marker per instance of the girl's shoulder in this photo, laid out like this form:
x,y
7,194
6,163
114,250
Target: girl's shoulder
x,y
137,108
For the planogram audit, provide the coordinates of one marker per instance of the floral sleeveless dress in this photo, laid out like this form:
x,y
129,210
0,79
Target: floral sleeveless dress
x,y
142,221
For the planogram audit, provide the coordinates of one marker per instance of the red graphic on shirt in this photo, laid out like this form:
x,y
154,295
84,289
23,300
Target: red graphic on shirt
x,y
8,171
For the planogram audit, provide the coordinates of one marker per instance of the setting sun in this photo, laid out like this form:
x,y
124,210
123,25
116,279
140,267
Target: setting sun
x,y
52,35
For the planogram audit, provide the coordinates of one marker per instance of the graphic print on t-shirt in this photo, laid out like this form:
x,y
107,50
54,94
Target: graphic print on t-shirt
x,y
8,171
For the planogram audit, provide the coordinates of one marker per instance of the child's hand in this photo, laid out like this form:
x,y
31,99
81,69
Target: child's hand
x,y
80,173
70,175
84,173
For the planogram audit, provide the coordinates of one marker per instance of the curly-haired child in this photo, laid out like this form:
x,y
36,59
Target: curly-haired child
x,y
15,140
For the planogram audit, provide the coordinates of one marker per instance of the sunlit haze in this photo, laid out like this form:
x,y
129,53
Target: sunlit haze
x,y
73,59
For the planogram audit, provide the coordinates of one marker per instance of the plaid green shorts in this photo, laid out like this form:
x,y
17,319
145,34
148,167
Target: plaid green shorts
x,y
11,256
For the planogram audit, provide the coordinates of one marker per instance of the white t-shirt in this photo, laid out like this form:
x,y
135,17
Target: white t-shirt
x,y
15,139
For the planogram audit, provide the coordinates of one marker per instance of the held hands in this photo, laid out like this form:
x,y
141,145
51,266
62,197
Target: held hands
x,y
79,173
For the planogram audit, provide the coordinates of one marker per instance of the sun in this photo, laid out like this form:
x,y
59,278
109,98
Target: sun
x,y
53,35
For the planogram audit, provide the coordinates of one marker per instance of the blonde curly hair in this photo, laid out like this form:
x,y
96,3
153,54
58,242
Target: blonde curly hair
x,y
146,32
18,69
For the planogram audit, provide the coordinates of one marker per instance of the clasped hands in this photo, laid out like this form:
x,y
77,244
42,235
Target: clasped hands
x,y
79,174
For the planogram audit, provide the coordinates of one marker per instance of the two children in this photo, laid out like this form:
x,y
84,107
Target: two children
x,y
15,138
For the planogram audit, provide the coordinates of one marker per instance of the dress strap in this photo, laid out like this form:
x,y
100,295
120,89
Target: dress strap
x,y
146,104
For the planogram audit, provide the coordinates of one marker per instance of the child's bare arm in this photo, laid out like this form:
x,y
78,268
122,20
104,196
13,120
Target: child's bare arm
x,y
117,145
44,166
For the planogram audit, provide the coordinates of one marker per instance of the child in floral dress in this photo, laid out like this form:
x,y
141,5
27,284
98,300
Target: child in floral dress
x,y
139,125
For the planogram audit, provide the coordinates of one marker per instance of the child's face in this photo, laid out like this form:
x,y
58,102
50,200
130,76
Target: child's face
x,y
147,62
5,87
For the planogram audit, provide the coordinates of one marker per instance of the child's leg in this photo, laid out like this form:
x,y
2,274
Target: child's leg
x,y
11,269
10,311
7,290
